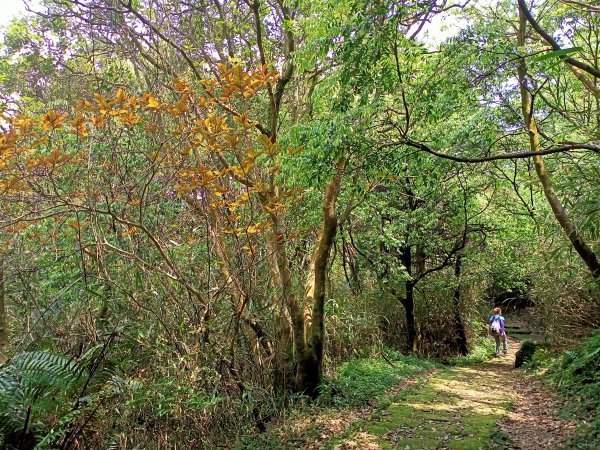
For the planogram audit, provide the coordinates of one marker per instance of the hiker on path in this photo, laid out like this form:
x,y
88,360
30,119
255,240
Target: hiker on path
x,y
497,330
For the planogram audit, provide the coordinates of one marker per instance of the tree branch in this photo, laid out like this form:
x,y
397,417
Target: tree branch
x,y
517,155
572,61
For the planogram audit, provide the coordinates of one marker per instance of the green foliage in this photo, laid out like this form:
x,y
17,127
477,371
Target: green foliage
x,y
525,353
559,54
364,90
47,398
577,376
33,387
499,439
483,349
542,360
363,380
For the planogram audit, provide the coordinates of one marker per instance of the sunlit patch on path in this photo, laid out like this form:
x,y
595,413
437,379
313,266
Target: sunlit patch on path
x,y
488,406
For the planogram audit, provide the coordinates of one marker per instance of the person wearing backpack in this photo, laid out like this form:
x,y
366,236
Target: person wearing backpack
x,y
497,330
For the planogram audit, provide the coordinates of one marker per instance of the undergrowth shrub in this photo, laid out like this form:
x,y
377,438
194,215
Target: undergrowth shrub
x,y
577,376
525,353
435,310
352,325
44,397
362,380
49,400
483,348
360,325
543,359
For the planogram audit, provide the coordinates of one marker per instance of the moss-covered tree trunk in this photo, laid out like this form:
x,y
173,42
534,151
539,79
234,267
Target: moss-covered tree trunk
x,y
290,322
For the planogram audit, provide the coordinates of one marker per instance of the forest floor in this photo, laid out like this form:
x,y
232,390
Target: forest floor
x,y
488,405
491,405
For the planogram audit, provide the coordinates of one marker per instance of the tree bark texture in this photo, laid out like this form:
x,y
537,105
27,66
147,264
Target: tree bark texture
x,y
350,265
310,368
290,328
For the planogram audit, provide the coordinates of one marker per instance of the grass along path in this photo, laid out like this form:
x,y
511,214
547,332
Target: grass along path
x,y
491,405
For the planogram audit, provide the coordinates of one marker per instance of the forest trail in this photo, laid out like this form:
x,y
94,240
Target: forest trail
x,y
491,405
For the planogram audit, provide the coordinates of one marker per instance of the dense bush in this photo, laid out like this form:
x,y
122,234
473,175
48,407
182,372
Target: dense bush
x,y
525,353
566,304
577,376
483,349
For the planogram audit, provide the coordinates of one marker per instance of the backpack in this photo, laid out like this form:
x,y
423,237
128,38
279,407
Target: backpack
x,y
495,325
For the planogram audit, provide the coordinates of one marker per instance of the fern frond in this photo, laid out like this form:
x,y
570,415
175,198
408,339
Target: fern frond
x,y
28,378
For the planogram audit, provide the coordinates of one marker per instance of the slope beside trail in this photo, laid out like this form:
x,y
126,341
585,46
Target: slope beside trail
x,y
491,405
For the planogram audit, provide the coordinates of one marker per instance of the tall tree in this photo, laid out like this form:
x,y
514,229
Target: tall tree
x,y
527,108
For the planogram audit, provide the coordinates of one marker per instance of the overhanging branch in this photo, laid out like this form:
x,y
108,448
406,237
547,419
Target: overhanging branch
x,y
516,155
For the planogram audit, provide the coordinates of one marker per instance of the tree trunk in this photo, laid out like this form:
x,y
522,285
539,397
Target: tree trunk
x,y
409,306
460,327
580,246
290,329
310,367
350,265
3,316
409,301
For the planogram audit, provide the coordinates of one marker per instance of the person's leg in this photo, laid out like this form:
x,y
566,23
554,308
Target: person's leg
x,y
497,339
504,344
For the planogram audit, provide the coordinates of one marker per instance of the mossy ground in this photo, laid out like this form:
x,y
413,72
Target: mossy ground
x,y
486,405
456,408
362,388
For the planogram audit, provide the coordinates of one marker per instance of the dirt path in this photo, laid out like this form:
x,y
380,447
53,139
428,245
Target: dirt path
x,y
532,422
491,405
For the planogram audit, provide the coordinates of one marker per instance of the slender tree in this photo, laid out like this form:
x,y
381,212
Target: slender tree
x,y
527,109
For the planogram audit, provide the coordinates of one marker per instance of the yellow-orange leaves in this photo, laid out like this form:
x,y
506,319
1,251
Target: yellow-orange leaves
x,y
23,123
181,86
98,121
48,161
236,80
179,108
120,96
102,103
129,118
78,127
52,120
151,102
244,121
7,142
215,124
197,144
